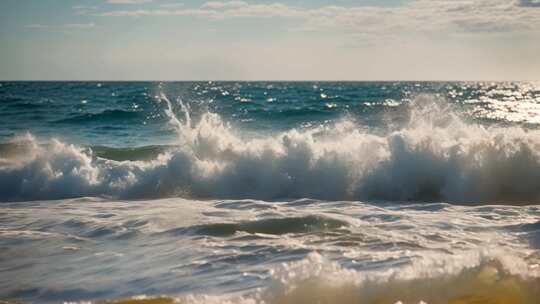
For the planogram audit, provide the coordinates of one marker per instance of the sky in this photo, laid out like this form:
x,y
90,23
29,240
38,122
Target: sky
x,y
270,40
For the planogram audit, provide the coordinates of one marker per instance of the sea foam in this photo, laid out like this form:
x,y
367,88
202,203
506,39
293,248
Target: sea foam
x,y
435,156
472,278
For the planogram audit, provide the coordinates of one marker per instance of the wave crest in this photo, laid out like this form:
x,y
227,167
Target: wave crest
x,y
434,157
474,279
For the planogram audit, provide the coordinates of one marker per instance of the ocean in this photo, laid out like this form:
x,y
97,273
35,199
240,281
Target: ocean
x,y
270,192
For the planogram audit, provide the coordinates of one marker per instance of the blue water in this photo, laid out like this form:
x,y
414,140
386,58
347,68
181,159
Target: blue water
x,y
270,192
128,113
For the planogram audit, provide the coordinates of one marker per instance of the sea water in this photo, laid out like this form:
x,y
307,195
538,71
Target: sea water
x,y
270,192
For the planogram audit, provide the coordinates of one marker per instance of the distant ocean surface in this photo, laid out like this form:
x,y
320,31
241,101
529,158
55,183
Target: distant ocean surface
x,y
270,192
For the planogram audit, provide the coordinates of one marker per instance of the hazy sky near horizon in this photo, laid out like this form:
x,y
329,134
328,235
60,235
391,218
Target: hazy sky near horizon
x,y
270,40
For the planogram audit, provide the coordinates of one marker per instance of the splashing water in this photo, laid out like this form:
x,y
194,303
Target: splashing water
x,y
356,211
434,157
249,251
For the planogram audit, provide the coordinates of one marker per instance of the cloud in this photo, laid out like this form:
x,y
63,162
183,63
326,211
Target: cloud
x,y
171,5
430,17
36,26
528,3
221,5
128,1
217,10
84,9
163,12
80,26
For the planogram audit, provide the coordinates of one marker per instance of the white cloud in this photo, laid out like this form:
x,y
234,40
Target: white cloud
x,y
430,17
128,1
171,5
84,7
528,3
163,12
81,26
36,26
218,10
221,5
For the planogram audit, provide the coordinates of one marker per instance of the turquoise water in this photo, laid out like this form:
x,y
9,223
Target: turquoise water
x,y
128,114
270,192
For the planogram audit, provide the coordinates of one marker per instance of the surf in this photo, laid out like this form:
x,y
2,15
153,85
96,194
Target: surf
x,y
315,280
434,156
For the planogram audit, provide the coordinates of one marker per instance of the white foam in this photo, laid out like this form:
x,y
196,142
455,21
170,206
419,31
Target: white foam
x,y
436,156
473,276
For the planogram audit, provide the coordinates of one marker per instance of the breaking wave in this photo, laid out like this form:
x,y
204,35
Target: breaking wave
x,y
434,157
469,279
